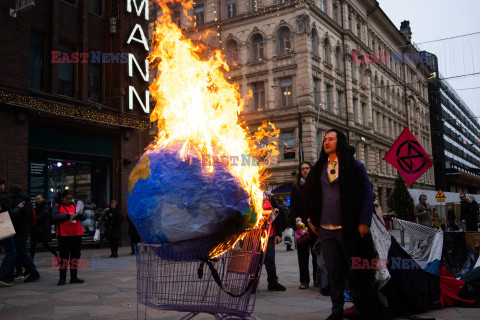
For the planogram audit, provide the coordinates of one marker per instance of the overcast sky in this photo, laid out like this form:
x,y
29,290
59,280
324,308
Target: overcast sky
x,y
439,19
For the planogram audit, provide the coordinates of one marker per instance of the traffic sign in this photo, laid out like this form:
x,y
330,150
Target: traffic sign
x,y
440,196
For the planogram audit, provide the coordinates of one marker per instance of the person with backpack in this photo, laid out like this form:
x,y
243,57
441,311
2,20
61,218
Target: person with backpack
x,y
21,213
41,231
69,232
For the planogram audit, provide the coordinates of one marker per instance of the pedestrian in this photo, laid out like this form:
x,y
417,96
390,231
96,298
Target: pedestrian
x,y
338,199
41,229
113,230
274,237
69,232
451,219
8,262
133,234
21,213
472,219
466,213
101,226
423,211
297,210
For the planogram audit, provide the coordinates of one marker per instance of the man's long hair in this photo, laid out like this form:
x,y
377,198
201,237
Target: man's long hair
x,y
344,155
311,188
296,184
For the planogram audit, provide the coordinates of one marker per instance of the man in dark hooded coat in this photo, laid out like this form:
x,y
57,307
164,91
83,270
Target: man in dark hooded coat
x,y
338,199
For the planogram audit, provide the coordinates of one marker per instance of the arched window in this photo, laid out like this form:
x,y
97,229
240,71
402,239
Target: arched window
x,y
382,90
326,51
284,44
257,47
375,85
231,52
314,42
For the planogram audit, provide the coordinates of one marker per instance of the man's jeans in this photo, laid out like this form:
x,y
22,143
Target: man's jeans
x,y
24,257
10,256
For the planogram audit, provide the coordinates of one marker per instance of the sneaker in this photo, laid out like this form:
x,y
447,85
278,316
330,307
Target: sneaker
x,y
303,286
77,280
276,287
32,277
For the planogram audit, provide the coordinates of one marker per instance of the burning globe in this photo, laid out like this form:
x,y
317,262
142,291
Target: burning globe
x,y
186,187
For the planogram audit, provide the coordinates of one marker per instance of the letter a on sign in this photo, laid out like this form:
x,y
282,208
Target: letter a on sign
x,y
408,157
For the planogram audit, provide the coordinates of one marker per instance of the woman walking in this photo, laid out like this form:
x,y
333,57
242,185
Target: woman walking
x,y
114,218
41,231
297,211
69,233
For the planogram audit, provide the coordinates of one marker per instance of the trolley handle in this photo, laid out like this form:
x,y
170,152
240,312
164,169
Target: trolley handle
x,y
216,277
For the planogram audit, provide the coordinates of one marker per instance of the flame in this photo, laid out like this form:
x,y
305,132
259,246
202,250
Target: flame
x,y
197,107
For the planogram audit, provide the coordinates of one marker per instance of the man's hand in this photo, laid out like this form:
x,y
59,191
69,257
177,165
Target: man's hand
x,y
278,239
363,230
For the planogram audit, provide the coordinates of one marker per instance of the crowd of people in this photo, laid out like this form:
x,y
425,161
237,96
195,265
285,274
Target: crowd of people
x,y
328,222
35,223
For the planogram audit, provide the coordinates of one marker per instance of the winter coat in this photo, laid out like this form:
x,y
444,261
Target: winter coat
x,y
297,209
423,218
4,201
132,230
113,228
22,218
101,222
63,225
472,218
41,229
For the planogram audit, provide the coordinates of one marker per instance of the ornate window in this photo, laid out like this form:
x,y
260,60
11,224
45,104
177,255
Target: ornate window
x,y
231,52
257,47
284,43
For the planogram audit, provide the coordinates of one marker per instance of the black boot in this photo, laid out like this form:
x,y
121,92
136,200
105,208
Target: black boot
x,y
74,278
63,276
272,280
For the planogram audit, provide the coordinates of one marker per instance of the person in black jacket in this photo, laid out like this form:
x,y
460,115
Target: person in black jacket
x,y
21,213
133,234
7,244
297,210
114,218
41,230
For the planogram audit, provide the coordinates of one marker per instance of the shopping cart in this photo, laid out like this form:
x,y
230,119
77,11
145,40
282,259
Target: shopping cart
x,y
225,287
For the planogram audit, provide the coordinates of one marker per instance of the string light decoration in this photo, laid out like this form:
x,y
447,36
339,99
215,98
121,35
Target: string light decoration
x,y
76,112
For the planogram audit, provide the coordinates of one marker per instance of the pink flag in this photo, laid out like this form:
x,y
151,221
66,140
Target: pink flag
x,y
408,157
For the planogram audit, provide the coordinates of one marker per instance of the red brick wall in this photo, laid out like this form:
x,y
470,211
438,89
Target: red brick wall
x,y
13,148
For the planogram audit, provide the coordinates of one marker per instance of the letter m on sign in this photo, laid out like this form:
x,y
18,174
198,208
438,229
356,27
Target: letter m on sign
x,y
138,9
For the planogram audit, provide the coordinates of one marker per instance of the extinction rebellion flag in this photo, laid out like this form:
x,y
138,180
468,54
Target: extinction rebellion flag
x,y
408,157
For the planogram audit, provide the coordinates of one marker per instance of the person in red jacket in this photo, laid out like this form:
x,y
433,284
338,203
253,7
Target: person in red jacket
x,y
69,232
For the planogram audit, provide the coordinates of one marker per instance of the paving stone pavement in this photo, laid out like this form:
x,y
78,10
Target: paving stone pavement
x,y
110,286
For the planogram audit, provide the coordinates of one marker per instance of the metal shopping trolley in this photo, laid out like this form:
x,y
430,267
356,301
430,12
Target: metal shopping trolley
x,y
225,287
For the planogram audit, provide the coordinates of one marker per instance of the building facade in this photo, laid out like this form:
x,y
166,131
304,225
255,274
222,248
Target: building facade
x,y
310,66
69,118
455,137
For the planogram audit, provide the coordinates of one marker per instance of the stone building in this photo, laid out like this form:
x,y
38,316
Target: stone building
x,y
311,66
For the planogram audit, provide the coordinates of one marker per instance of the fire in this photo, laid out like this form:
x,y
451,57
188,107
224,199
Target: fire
x,y
197,107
